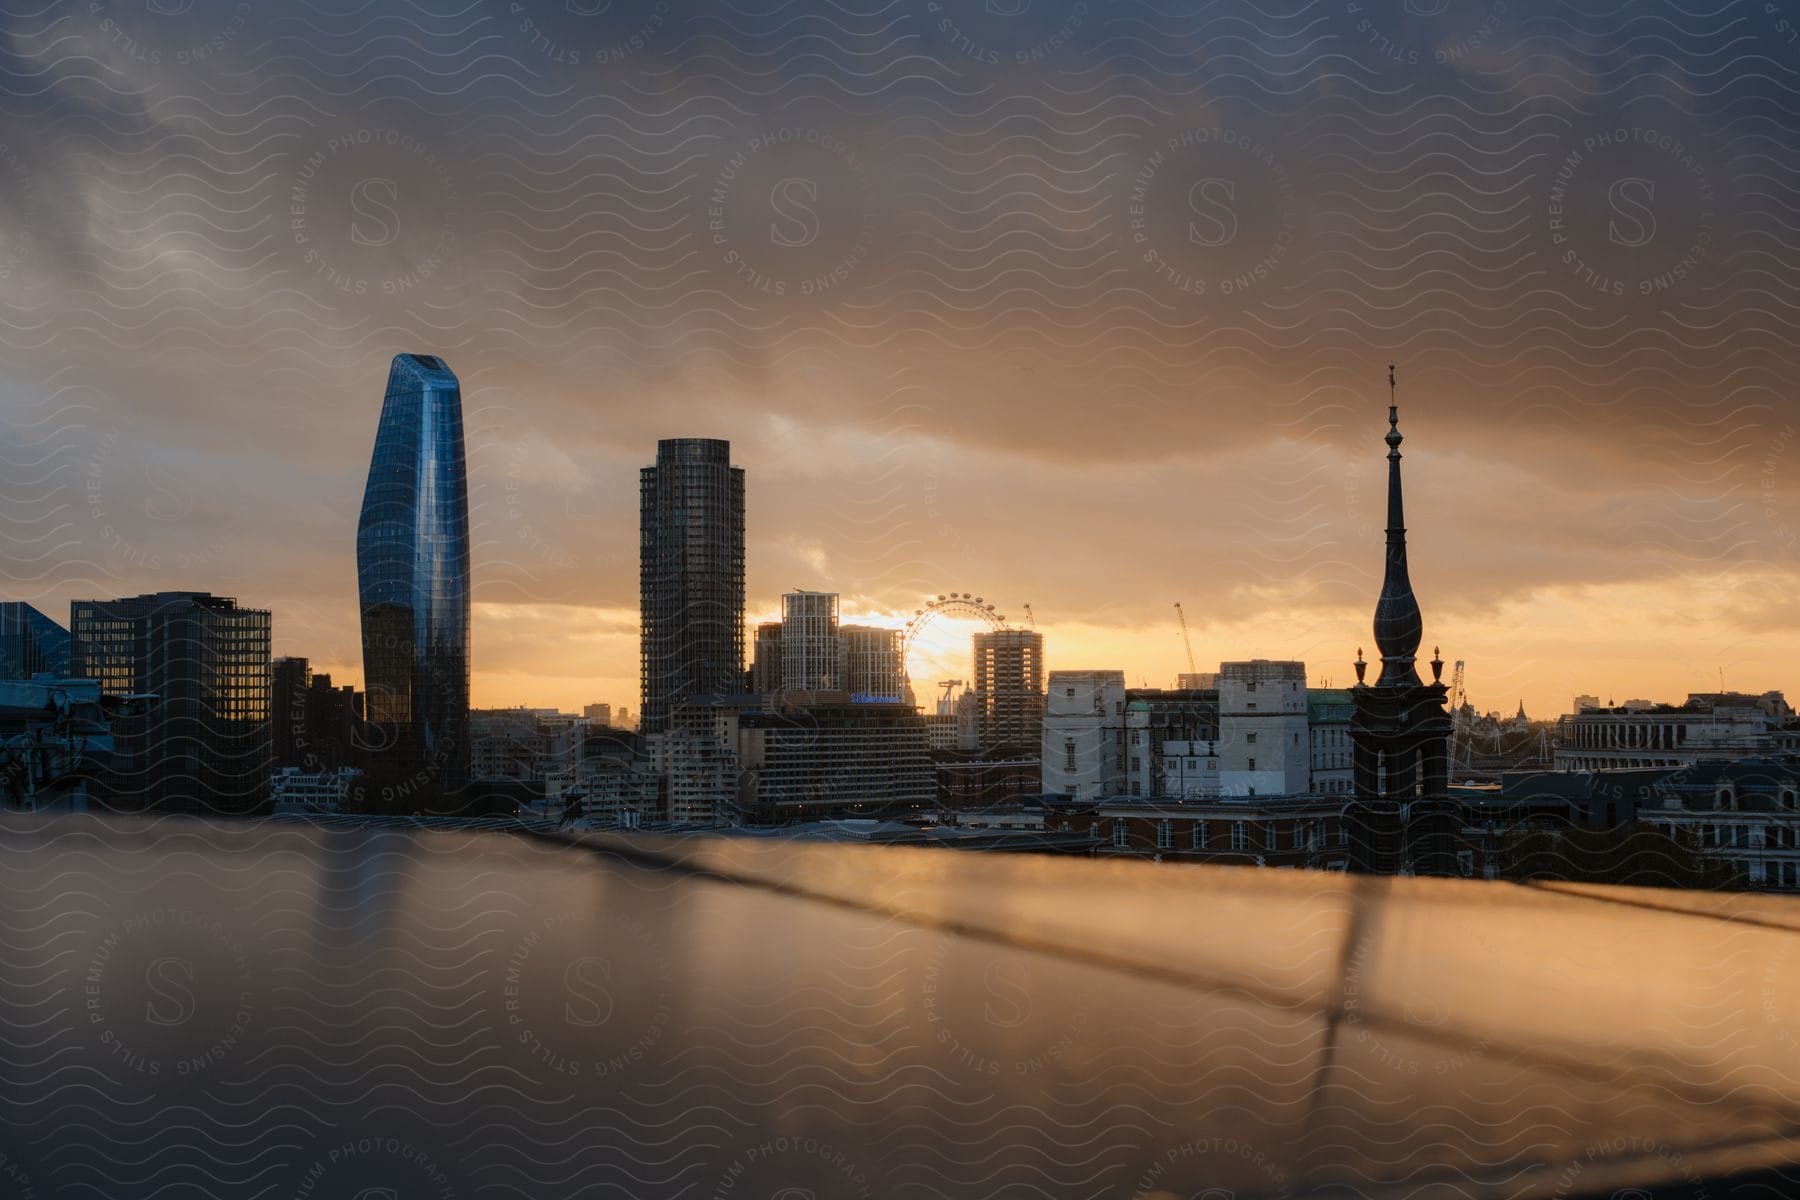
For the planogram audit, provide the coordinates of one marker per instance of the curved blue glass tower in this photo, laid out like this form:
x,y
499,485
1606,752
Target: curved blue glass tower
x,y
412,567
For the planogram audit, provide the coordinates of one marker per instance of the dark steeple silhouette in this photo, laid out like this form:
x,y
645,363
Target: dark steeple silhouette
x,y
1402,818
1398,626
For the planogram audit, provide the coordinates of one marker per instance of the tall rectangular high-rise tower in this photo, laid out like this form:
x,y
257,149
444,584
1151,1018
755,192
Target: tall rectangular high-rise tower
x,y
690,576
809,642
412,568
1009,688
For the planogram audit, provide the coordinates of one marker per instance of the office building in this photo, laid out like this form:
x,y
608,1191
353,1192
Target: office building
x,y
203,745
31,643
817,755
1084,735
1009,689
809,642
690,577
598,714
412,564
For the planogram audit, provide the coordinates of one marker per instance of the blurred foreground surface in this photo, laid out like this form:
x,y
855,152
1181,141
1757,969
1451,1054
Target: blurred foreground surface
x,y
244,1010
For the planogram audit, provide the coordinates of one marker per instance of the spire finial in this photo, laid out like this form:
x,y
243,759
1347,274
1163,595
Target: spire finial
x,y
1393,434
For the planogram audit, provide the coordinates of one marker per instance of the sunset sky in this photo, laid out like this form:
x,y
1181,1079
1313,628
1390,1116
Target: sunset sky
x,y
1077,304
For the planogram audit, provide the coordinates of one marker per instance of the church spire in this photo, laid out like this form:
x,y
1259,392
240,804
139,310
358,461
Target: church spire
x,y
1398,626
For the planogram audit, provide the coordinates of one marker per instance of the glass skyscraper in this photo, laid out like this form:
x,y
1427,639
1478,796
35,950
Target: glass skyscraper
x,y
690,576
202,745
412,567
31,643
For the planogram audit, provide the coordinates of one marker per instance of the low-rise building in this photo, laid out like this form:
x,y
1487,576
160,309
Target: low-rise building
x,y
297,791
1297,832
1707,727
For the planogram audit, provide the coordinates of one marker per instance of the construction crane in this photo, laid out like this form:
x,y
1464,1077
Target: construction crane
x,y
1185,640
1457,699
949,685
1030,617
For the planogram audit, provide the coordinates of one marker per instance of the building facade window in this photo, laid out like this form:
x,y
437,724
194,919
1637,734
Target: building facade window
x,y
1165,836
1121,834
1240,836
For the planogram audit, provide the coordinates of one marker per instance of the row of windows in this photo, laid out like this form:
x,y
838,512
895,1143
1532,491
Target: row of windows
x,y
1301,835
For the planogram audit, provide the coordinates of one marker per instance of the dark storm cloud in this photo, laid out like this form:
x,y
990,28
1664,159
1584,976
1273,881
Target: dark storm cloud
x,y
988,291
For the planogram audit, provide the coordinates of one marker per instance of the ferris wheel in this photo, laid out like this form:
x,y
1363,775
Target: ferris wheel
x,y
951,604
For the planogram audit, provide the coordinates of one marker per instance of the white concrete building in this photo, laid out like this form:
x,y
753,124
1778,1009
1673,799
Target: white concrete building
x,y
1263,738
1084,734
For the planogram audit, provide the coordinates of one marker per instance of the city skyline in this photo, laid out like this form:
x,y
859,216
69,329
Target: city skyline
x,y
1150,653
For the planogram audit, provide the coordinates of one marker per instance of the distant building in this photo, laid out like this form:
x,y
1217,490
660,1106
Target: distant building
x,y
831,755
1329,714
794,756
31,643
1263,736
966,780
610,774
1009,688
870,662
690,576
765,662
599,714
298,792
1084,735
413,570
204,745
940,732
697,758
289,679
809,642
1707,727
1581,702
332,727
516,744
1172,741
1197,682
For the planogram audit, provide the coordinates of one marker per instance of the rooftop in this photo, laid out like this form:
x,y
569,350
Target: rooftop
x,y
701,1012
